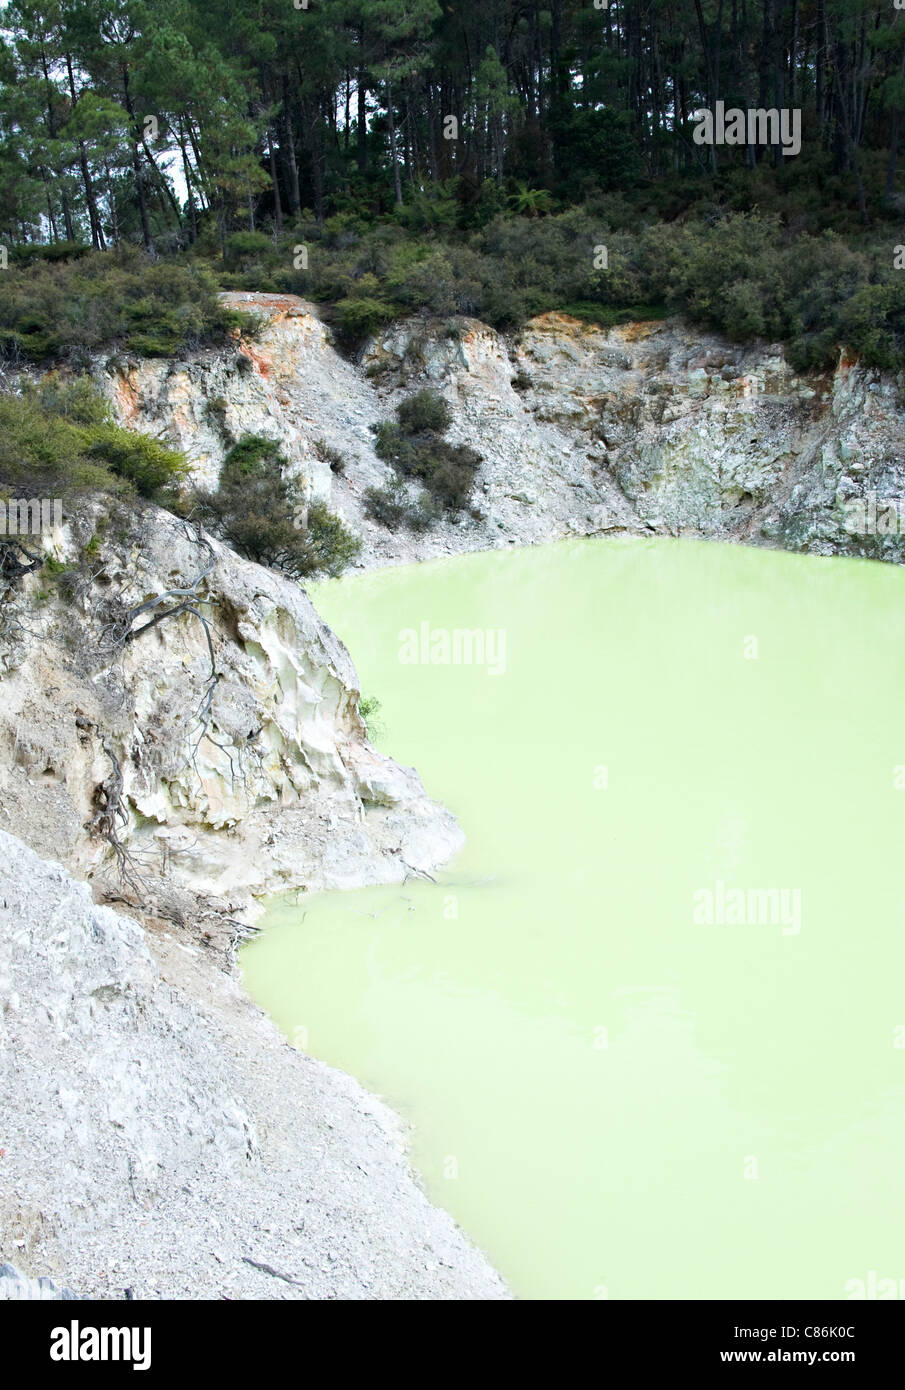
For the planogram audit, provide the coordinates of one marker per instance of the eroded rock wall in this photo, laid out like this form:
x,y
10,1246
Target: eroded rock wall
x,y
644,427
259,780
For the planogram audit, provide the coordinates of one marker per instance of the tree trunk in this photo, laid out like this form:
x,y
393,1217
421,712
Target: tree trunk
x,y
277,204
890,186
50,216
391,122
845,127
162,184
295,196
708,68
111,199
204,187
314,120
97,232
819,58
361,135
52,127
136,166
190,192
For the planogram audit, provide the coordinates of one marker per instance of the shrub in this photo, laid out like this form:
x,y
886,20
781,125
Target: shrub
x,y
369,709
263,514
329,548
359,318
245,245
425,410
149,465
449,472
392,507
415,449
387,505
215,411
723,264
788,275
57,438
30,252
327,454
108,299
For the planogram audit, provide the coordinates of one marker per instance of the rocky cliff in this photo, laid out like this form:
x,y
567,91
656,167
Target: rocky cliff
x,y
645,427
220,752
181,730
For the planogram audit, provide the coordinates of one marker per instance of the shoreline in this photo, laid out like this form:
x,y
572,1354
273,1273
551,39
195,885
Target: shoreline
x,y
283,1177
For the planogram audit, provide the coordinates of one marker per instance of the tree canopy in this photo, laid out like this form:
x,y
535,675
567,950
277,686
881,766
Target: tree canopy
x,y
147,120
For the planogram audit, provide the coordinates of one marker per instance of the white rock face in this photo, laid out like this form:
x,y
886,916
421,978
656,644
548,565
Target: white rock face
x,y
288,385
277,788
176,1146
643,427
652,426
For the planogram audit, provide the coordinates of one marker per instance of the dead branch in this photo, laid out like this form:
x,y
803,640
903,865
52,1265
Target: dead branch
x,y
12,566
109,816
180,600
274,1273
188,597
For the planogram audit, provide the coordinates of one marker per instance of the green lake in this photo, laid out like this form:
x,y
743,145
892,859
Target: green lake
x,y
649,1026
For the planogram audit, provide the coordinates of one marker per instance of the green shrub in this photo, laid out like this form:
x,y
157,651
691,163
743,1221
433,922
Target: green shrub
x,y
359,318
724,264
797,274
251,457
149,465
369,708
392,507
448,471
327,454
415,449
425,410
262,513
57,439
329,548
387,505
29,252
109,299
243,245
215,410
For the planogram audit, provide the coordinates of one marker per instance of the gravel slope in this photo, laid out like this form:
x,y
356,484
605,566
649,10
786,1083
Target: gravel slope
x,y
158,1135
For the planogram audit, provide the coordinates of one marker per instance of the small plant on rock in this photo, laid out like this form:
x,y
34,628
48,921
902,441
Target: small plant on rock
x,y
262,513
415,448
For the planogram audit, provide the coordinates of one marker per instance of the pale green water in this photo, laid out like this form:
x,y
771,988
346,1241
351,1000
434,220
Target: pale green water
x,y
476,1006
